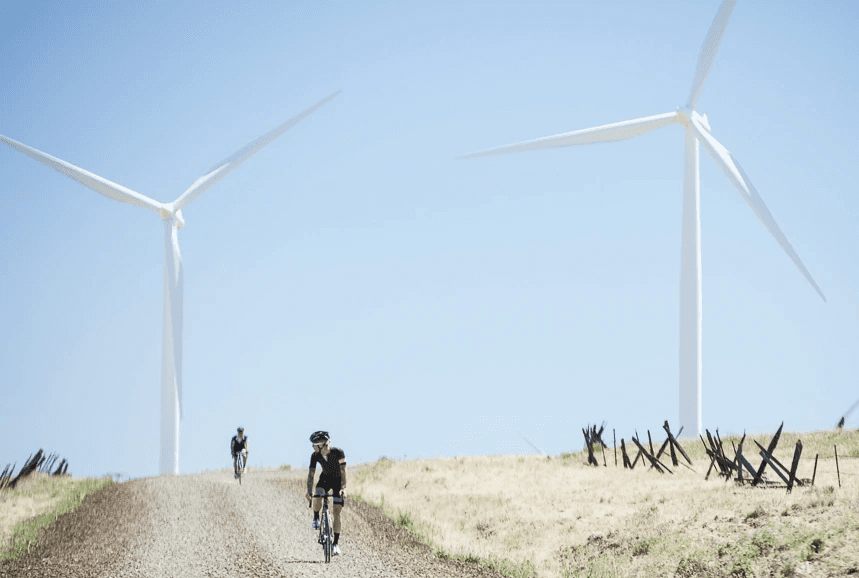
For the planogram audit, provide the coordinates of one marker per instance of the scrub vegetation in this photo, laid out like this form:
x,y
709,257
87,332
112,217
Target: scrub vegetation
x,y
35,503
557,516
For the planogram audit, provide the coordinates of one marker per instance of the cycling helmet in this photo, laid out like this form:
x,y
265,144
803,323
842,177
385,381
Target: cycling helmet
x,y
319,437
240,429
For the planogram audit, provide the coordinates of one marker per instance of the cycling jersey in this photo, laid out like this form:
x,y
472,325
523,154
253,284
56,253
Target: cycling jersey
x,y
331,464
237,446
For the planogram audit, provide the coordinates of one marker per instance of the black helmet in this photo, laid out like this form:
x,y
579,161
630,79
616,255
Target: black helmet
x,y
319,437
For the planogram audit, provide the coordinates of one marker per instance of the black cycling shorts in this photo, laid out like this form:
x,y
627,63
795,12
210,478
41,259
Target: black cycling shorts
x,y
330,485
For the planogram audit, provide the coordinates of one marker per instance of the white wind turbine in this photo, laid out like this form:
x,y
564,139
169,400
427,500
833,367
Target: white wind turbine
x,y
697,130
171,360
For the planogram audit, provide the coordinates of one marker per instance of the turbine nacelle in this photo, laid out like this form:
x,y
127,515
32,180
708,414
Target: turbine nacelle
x,y
686,114
167,211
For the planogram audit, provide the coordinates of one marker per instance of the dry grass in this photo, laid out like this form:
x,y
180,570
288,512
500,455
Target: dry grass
x,y
560,517
35,503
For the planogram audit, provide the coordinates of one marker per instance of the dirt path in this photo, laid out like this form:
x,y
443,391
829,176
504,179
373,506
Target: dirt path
x,y
208,525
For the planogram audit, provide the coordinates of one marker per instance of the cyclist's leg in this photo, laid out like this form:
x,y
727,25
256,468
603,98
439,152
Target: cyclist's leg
x,y
235,459
245,459
338,504
321,487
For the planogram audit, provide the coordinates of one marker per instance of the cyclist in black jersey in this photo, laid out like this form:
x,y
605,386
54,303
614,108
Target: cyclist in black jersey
x,y
239,443
333,478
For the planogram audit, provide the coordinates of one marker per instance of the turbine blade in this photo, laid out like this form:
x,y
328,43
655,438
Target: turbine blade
x,y
220,170
709,50
741,182
605,133
95,182
532,444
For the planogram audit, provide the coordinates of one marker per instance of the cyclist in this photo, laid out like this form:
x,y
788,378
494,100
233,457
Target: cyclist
x,y
239,443
333,477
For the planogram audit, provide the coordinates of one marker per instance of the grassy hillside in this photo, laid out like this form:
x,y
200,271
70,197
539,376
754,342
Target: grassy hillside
x,y
556,516
35,503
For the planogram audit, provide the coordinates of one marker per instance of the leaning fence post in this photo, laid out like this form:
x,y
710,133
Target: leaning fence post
x,y
837,469
614,442
623,451
815,469
795,463
602,447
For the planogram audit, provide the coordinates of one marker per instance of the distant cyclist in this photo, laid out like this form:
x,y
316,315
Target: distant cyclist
x,y
238,444
333,478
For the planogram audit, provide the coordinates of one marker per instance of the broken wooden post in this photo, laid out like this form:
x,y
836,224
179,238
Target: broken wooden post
x,y
745,463
714,451
650,441
770,450
797,452
737,452
815,470
591,459
775,464
837,469
768,459
675,443
709,453
614,442
653,461
742,439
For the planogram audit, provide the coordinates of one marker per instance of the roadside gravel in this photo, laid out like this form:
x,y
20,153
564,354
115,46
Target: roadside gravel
x,y
209,525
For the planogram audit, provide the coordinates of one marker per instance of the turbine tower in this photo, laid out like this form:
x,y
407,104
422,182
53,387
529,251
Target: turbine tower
x,y
697,131
171,213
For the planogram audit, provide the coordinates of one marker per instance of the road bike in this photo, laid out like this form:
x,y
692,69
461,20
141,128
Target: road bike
x,y
240,465
325,535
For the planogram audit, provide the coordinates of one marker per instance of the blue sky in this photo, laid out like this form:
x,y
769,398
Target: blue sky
x,y
354,276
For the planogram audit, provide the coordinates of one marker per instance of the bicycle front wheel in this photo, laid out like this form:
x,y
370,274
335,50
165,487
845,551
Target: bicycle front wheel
x,y
241,466
326,538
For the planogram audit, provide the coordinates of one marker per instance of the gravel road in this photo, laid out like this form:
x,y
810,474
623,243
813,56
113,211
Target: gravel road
x,y
209,525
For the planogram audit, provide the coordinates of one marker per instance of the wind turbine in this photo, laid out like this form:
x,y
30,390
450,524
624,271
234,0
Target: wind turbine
x,y
171,213
697,131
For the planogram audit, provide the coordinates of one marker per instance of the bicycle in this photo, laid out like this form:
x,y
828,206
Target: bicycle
x,y
325,535
240,465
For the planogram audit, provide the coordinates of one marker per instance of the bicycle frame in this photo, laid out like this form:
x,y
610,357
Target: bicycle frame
x,y
240,465
325,527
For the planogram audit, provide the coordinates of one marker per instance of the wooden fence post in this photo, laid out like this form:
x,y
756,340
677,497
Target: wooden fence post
x,y
653,461
814,475
623,451
837,469
770,450
797,452
614,442
739,452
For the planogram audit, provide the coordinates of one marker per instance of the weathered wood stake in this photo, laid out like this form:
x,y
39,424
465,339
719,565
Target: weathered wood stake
x,y
837,469
814,475
797,452
614,442
770,450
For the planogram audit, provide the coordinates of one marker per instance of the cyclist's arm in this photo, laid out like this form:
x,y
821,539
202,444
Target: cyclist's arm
x,y
246,446
310,480
343,472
